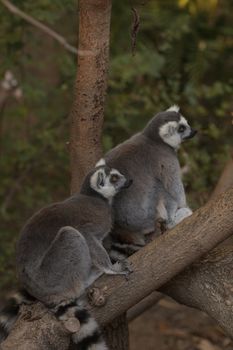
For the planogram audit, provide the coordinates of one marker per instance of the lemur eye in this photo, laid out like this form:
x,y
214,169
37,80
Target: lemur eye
x,y
114,178
181,128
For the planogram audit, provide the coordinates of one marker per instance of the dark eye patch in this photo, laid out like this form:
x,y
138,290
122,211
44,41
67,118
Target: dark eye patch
x,y
100,180
114,178
181,128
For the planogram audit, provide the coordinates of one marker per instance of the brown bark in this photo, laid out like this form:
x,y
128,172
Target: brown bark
x,y
36,329
91,83
207,285
143,305
87,113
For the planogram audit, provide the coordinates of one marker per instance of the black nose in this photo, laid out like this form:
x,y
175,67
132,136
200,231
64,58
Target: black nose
x,y
128,183
192,133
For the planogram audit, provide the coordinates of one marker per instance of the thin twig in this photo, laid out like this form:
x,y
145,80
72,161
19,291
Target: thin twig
x,y
134,29
12,8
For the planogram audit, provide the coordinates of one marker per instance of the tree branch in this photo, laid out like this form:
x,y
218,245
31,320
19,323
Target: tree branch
x,y
143,305
206,285
59,38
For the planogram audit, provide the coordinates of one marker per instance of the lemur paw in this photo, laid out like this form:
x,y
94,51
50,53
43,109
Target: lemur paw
x,y
180,215
123,267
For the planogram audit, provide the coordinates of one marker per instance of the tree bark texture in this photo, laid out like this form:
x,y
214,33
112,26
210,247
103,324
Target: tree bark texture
x,y
36,329
87,112
143,305
207,285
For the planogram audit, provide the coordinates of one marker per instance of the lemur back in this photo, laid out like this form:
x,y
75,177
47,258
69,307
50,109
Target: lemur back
x,y
157,193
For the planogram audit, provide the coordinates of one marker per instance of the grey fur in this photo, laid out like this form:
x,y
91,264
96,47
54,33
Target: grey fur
x,y
157,191
60,245
60,252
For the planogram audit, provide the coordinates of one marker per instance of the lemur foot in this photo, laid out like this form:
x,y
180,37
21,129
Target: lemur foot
x,y
123,267
180,215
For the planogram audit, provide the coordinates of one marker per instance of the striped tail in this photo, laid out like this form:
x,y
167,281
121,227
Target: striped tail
x,y
89,336
10,312
121,251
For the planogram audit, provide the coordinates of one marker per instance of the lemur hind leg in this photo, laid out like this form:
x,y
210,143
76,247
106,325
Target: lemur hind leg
x,y
64,269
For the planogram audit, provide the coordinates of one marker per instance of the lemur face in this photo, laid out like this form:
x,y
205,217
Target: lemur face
x,y
108,181
173,132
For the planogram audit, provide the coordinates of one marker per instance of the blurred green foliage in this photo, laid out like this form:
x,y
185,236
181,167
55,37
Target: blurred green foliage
x,y
183,56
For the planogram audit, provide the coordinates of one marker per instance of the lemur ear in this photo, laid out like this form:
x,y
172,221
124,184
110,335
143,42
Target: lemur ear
x,y
100,180
100,162
173,108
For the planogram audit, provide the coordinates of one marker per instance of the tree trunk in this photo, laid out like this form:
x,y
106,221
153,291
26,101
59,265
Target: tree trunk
x,y
87,113
91,84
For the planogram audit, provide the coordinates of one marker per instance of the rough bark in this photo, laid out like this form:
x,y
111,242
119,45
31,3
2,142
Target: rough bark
x,y
143,305
36,329
207,285
91,83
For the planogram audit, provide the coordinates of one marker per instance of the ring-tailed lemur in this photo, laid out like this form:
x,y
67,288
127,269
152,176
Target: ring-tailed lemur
x,y
60,253
150,158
